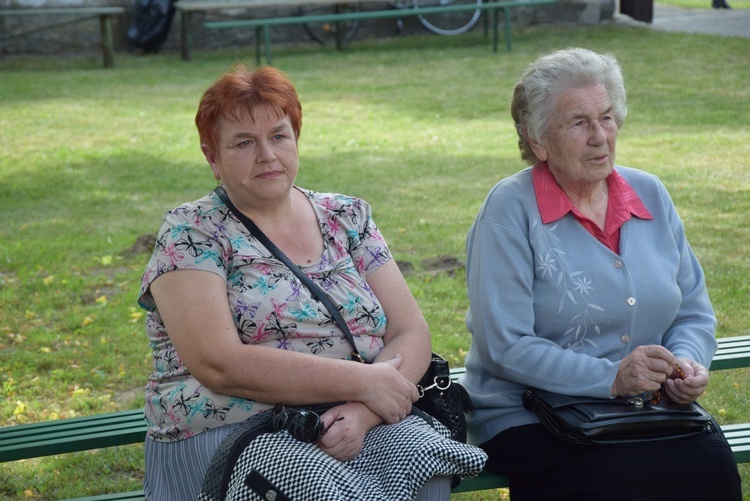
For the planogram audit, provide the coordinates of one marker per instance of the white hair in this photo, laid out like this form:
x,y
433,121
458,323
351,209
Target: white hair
x,y
534,96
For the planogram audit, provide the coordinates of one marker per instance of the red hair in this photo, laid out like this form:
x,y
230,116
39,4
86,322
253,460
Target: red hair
x,y
242,90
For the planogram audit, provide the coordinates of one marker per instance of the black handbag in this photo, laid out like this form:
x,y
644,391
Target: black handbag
x,y
444,399
587,420
440,397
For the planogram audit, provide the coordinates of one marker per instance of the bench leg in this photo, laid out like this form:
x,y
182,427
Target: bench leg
x,y
508,34
105,29
494,30
340,29
185,20
267,43
257,45
506,23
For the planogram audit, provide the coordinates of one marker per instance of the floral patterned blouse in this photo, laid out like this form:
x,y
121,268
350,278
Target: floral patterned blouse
x,y
270,306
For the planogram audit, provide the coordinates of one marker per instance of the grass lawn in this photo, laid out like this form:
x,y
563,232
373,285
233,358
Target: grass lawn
x,y
706,4
417,126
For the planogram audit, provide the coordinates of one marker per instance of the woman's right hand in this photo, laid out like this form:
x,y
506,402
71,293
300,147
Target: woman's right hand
x,y
645,369
389,394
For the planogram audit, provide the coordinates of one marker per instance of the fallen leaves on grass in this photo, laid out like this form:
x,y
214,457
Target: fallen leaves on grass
x,y
20,408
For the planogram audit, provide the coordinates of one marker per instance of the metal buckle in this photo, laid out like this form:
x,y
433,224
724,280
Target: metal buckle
x,y
636,402
358,358
435,384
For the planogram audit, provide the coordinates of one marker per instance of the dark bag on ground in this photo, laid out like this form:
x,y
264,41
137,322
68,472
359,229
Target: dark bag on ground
x,y
151,22
445,400
587,420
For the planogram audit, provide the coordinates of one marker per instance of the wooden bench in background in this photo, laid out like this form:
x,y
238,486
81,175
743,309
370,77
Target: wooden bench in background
x,y
104,14
128,427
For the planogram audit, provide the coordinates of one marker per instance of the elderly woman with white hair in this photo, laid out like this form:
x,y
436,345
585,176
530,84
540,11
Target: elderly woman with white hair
x,y
581,282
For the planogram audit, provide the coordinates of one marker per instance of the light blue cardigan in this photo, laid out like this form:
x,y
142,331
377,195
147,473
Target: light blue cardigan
x,y
552,307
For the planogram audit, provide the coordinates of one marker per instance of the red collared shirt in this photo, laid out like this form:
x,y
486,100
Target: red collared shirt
x,y
622,203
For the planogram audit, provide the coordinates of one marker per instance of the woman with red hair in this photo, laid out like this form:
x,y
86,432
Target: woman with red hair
x,y
234,333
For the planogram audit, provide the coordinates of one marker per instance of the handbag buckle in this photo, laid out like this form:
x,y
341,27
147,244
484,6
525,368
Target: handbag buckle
x,y
435,384
636,402
358,358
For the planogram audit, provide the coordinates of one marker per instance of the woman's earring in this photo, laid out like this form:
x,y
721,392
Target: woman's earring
x,y
218,182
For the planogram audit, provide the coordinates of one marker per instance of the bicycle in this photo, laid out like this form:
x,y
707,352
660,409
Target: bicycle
x,y
447,24
341,32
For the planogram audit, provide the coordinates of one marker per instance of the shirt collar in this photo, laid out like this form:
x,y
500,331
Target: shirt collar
x,y
554,203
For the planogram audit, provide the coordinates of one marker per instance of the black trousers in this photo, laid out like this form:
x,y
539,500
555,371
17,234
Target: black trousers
x,y
542,467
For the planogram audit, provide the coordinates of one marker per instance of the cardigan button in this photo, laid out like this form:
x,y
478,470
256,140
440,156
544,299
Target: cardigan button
x,y
631,301
625,338
618,263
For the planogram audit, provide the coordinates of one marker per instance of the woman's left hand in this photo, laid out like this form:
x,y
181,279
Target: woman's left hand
x,y
347,426
687,389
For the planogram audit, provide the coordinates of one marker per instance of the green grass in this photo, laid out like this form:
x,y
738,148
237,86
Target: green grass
x,y
705,4
418,126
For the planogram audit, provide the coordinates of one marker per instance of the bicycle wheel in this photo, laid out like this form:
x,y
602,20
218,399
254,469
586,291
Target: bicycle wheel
x,y
338,32
449,23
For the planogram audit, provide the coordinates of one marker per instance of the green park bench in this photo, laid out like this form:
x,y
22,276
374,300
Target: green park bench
x,y
262,25
128,427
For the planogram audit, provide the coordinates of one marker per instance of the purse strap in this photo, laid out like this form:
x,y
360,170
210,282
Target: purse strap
x,y
316,291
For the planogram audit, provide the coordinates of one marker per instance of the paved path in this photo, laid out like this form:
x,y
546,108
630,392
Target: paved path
x,y
727,22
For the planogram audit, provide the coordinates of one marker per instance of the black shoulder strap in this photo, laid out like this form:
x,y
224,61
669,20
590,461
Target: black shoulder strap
x,y
316,291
